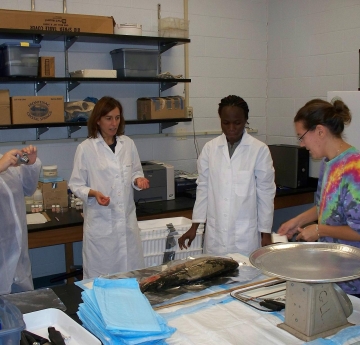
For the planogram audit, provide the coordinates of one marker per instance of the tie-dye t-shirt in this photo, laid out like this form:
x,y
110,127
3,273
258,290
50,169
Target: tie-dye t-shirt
x,y
338,200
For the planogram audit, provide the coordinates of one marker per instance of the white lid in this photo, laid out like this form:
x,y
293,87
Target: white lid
x,y
49,167
57,205
53,206
127,25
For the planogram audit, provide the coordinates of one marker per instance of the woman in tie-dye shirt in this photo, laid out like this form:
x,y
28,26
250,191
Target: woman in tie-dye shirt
x,y
319,126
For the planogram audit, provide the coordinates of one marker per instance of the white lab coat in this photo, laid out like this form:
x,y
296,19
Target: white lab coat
x,y
111,241
15,266
235,197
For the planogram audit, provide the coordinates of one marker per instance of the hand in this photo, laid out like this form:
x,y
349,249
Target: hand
x,y
289,228
9,159
189,235
142,183
308,234
31,152
102,199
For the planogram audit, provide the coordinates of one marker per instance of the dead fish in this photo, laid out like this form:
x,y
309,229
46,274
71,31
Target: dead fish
x,y
188,271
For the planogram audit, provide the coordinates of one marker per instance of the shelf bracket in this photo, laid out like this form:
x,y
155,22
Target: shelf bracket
x,y
166,46
40,131
165,125
164,85
39,85
72,129
72,85
38,38
70,40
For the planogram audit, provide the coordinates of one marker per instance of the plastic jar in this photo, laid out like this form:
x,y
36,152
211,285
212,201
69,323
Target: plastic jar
x,y
58,209
53,208
50,170
28,202
38,197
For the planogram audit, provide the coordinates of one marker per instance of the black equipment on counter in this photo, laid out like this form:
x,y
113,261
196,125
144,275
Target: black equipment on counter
x,y
291,164
185,187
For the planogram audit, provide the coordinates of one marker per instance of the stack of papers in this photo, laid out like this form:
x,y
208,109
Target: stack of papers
x,y
117,312
35,218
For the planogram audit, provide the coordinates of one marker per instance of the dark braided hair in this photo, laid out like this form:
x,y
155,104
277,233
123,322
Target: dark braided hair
x,y
234,101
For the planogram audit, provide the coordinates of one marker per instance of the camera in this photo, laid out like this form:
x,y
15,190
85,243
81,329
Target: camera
x,y
24,159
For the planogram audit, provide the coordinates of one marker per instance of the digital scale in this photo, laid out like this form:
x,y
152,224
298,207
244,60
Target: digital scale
x,y
315,306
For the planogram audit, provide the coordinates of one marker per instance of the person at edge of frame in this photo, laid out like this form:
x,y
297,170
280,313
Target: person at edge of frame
x,y
319,126
18,177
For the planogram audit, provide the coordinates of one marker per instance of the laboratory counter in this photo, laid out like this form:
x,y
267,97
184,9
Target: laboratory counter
x,y
67,227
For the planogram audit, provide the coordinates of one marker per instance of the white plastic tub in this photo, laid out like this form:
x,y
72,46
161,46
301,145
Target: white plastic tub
x,y
39,321
154,234
50,170
128,29
157,259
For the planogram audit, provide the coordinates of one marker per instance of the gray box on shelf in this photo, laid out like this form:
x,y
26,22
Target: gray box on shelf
x,y
133,62
19,59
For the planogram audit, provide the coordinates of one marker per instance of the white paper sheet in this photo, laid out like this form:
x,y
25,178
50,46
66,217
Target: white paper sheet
x,y
35,218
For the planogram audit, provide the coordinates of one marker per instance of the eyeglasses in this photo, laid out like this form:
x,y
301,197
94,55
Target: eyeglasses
x,y
302,137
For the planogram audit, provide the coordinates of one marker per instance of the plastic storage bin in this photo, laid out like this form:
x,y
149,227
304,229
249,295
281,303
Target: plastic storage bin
x,y
173,27
154,234
157,259
12,323
19,59
133,62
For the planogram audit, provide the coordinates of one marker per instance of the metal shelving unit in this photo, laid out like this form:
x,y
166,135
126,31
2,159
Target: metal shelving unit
x,y
163,44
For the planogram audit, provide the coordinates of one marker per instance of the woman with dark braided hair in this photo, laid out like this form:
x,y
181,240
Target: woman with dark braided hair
x,y
319,126
236,188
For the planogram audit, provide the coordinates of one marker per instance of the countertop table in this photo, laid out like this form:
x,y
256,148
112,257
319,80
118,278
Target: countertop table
x,y
69,226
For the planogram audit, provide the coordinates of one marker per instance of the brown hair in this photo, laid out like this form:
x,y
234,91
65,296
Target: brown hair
x,y
319,112
102,108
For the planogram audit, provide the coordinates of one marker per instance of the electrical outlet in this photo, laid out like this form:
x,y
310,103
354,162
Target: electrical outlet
x,y
189,111
181,134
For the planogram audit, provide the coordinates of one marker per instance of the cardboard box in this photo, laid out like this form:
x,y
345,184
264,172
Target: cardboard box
x,y
46,66
54,193
56,22
160,108
37,109
5,117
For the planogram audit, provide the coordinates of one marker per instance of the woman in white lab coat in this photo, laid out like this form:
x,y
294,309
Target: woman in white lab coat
x,y
16,182
236,188
106,169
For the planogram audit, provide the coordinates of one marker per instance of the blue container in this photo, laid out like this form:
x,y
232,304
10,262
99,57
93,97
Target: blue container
x,y
19,59
12,323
